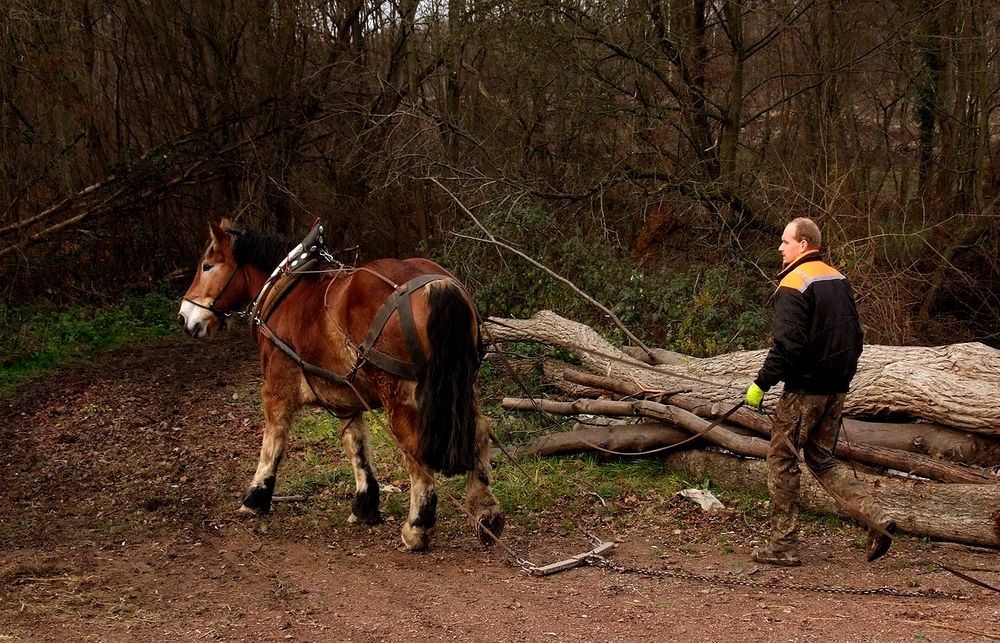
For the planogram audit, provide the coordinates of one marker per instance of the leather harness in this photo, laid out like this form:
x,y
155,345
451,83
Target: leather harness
x,y
288,275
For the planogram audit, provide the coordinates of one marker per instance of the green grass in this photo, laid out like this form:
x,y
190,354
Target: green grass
x,y
39,338
569,482
535,494
564,484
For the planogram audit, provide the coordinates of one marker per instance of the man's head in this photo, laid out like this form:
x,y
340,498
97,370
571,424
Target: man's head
x,y
799,237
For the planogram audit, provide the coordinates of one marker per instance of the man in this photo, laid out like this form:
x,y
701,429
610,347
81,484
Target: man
x,y
817,340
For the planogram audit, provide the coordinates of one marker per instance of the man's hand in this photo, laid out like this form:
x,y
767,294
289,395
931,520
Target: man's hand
x,y
755,396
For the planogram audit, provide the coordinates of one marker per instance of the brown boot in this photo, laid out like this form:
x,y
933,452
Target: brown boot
x,y
879,540
768,556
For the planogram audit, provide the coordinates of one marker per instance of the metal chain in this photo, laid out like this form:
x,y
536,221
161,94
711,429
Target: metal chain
x,y
601,561
598,560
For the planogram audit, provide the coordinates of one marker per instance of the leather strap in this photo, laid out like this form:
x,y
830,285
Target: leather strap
x,y
311,369
278,290
399,300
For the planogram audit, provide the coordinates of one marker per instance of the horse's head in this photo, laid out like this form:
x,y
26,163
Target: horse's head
x,y
218,287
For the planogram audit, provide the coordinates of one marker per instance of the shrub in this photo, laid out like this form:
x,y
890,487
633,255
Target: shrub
x,y
40,337
699,309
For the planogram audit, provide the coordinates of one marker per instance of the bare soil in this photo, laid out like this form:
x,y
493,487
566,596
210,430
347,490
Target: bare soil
x,y
120,479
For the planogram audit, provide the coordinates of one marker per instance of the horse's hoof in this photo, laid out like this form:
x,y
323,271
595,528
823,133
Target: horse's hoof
x,y
365,508
489,528
250,511
258,499
370,519
415,538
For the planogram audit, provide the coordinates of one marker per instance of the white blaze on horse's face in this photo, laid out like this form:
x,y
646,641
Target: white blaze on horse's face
x,y
200,307
196,313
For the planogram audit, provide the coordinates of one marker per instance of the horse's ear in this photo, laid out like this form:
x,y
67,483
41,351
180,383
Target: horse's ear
x,y
220,238
229,227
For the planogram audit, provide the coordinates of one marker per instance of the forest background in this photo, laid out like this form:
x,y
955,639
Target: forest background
x,y
650,151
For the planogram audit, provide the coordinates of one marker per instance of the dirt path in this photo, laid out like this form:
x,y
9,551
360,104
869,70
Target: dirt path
x,y
119,479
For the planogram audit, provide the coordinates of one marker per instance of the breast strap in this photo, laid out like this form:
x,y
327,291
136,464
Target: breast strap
x,y
399,300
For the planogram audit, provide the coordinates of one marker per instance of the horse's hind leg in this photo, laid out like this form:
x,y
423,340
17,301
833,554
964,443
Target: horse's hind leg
x,y
480,502
358,447
419,525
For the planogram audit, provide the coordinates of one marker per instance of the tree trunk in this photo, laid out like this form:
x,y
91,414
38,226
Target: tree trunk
x,y
621,439
954,385
933,440
962,513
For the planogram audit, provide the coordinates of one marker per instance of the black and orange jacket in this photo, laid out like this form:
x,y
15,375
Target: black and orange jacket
x,y
816,334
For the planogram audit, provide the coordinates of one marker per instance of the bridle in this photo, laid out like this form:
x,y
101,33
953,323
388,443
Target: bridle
x,y
219,314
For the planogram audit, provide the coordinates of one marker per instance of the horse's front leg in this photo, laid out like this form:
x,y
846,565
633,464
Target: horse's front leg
x,y
357,444
480,502
281,401
419,525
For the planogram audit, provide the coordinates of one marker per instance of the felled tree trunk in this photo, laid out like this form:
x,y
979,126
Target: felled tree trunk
x,y
963,513
932,440
616,439
954,385
731,440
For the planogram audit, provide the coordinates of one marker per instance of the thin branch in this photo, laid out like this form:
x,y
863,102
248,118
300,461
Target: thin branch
x,y
492,239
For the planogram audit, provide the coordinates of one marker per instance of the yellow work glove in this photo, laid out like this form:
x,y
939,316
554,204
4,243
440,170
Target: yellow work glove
x,y
755,396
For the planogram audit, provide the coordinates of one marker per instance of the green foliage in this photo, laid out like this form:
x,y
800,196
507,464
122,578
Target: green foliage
x,y
37,338
698,309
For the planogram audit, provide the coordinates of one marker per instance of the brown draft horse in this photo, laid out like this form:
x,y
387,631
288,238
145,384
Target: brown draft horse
x,y
323,318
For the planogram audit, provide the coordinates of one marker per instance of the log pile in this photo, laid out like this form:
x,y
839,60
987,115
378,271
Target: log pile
x,y
921,426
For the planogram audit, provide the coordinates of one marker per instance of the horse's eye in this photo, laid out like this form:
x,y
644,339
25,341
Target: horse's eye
x,y
206,267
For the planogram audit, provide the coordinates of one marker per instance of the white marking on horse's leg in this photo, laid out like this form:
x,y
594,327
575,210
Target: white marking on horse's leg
x,y
278,415
419,524
480,502
357,444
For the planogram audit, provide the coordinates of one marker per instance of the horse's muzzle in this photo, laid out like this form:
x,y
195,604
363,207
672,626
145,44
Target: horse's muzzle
x,y
197,330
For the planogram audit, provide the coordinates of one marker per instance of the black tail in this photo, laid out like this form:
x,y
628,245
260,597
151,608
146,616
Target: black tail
x,y
448,405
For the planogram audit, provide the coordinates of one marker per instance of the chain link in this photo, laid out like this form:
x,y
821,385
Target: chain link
x,y
601,561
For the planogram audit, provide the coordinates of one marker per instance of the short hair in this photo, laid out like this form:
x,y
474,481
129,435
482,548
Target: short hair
x,y
808,230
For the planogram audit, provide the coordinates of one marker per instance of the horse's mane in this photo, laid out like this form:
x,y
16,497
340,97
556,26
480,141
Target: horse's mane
x,y
261,250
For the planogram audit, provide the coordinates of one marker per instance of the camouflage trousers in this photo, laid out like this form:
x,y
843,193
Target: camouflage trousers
x,y
812,423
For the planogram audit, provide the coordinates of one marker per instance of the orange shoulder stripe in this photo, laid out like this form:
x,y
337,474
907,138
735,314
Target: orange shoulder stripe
x,y
801,277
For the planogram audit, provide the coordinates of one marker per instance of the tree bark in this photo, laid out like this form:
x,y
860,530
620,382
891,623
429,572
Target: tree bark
x,y
954,385
630,439
962,513
912,463
733,440
932,440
